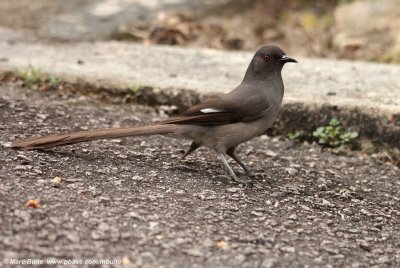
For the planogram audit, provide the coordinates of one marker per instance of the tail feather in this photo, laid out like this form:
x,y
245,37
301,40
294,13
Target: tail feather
x,y
51,141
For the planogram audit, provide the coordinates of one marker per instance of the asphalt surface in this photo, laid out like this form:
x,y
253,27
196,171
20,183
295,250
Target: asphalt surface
x,y
129,200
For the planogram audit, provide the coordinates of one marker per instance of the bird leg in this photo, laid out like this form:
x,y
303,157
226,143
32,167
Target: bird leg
x,y
231,172
193,147
231,153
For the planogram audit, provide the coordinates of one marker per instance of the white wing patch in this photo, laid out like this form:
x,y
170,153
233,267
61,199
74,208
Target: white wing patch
x,y
210,110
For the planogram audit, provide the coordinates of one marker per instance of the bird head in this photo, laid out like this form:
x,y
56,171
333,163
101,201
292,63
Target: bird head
x,y
268,60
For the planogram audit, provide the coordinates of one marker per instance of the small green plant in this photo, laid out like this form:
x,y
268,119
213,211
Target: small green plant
x,y
333,134
295,135
33,76
136,90
30,76
53,81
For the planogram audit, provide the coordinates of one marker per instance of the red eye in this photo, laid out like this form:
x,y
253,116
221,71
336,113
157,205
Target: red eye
x,y
266,58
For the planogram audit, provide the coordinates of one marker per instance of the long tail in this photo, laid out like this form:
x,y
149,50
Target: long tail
x,y
83,136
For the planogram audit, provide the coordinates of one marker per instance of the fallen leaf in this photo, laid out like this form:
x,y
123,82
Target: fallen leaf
x,y
126,261
57,181
221,244
32,203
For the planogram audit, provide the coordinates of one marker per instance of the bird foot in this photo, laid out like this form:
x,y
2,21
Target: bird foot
x,y
247,182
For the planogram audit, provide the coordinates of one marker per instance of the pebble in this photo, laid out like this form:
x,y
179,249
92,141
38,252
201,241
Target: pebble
x,y
291,171
271,153
22,167
288,249
269,263
232,189
383,259
85,214
256,213
24,157
137,178
96,235
193,252
41,182
365,245
103,227
73,237
134,215
326,202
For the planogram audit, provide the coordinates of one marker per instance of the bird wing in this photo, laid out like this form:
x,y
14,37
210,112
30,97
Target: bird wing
x,y
222,111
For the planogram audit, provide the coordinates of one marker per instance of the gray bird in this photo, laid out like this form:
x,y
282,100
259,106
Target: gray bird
x,y
221,123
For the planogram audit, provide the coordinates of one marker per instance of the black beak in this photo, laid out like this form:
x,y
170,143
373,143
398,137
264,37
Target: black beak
x,y
287,59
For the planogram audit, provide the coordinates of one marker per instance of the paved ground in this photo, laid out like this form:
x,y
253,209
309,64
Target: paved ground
x,y
129,200
206,71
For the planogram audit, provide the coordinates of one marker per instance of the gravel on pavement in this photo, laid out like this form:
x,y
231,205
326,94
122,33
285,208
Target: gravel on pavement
x,y
131,200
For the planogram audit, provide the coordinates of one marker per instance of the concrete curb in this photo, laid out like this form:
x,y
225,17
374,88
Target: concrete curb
x,y
365,96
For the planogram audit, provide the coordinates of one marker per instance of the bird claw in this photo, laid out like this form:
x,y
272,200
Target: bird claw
x,y
247,182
